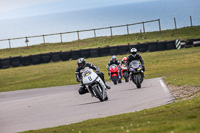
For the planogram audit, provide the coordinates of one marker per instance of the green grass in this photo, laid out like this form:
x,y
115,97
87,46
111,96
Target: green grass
x,y
183,34
177,67
181,117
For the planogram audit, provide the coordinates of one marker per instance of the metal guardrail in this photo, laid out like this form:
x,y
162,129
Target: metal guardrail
x,y
61,40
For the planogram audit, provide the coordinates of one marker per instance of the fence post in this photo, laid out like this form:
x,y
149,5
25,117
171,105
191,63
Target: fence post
x,y
43,38
175,23
95,34
9,43
61,38
26,41
159,25
143,27
127,30
111,31
78,35
191,20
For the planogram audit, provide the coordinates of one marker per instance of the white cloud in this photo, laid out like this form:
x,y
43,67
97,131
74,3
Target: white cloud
x,y
7,5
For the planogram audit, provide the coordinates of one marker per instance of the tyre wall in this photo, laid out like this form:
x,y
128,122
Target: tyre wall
x,y
105,51
85,53
66,55
36,59
45,58
15,61
152,46
123,49
93,52
26,60
143,47
56,56
114,50
75,54
162,45
170,45
5,63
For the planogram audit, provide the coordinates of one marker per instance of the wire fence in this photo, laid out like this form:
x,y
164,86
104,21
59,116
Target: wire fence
x,y
78,32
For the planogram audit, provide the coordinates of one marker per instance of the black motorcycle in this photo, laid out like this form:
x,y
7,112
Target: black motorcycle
x,y
136,73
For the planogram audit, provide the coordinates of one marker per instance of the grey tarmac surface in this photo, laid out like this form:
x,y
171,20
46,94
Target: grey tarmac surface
x,y
54,106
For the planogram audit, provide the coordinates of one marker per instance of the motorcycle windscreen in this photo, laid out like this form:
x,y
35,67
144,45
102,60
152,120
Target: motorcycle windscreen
x,y
134,64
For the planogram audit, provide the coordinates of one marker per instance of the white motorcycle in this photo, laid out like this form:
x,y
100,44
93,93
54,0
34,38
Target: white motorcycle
x,y
94,85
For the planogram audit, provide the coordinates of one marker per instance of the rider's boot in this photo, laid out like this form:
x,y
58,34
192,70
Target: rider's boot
x,y
108,87
82,90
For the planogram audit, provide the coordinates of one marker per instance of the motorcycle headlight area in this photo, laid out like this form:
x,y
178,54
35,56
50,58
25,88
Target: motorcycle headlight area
x,y
87,73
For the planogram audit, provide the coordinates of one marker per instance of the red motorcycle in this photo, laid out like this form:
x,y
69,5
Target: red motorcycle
x,y
114,71
124,71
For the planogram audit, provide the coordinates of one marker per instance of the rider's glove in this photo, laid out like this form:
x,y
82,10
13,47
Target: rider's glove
x,y
143,68
97,70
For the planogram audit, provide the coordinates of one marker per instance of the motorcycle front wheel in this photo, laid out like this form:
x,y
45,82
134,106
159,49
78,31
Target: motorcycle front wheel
x,y
125,75
114,79
98,93
138,81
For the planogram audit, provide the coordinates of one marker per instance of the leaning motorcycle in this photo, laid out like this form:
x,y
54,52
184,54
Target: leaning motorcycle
x,y
115,74
94,85
124,71
136,73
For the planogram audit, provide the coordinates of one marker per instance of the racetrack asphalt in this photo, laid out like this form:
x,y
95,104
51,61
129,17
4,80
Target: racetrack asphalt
x,y
49,107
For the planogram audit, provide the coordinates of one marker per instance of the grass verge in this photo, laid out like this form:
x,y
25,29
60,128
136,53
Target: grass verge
x,y
182,33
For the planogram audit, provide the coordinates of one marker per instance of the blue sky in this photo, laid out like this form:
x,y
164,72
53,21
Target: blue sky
x,y
25,8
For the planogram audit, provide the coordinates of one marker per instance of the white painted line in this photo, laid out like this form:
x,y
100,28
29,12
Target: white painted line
x,y
164,86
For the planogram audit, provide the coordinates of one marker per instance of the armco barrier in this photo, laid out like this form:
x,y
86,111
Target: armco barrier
x,y
152,46
56,56
196,42
94,52
65,55
85,53
189,43
35,59
46,58
183,43
26,60
105,51
75,54
5,63
170,45
142,47
123,49
162,45
114,50
15,61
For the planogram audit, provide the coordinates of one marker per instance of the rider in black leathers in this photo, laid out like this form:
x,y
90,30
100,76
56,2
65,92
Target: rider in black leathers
x,y
82,66
135,56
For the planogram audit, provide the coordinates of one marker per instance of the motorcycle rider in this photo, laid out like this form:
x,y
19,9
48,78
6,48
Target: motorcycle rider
x,y
82,66
135,56
124,60
114,61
